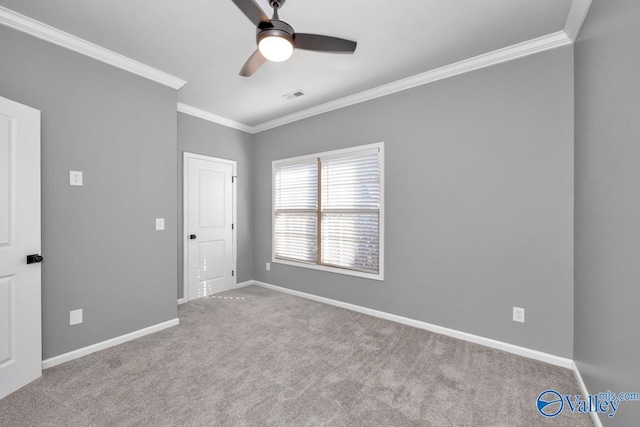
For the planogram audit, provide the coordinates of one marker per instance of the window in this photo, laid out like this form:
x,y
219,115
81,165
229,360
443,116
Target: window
x,y
328,211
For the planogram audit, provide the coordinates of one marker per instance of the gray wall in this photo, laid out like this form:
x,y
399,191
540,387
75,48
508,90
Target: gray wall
x,y
203,137
101,250
479,201
607,272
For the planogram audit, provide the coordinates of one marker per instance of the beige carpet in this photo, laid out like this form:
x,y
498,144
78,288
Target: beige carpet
x,y
263,358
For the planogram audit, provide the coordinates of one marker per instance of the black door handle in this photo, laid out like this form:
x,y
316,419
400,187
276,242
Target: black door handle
x,y
192,237
31,259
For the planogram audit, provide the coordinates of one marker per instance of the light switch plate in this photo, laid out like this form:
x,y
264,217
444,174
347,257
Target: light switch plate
x,y
75,317
159,224
75,178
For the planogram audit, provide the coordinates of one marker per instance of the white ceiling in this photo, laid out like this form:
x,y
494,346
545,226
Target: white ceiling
x,y
206,42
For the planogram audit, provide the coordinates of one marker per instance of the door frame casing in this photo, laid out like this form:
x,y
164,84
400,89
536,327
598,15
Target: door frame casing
x,y
185,217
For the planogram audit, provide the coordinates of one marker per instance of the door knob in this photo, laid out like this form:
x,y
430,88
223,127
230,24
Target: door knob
x,y
31,259
192,236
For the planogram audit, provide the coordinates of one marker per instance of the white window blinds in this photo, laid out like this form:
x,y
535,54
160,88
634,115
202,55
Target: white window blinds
x,y
327,210
350,209
296,211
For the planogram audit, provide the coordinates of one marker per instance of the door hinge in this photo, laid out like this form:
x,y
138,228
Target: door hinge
x,y
233,178
232,226
233,273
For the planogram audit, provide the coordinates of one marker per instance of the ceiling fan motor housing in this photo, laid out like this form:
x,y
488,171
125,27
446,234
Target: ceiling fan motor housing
x,y
277,29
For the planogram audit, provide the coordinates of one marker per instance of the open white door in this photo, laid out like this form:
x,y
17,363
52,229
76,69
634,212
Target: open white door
x,y
20,310
209,225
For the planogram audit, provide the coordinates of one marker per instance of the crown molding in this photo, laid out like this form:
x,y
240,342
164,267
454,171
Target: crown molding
x,y
53,35
577,15
205,115
516,51
575,20
573,25
509,53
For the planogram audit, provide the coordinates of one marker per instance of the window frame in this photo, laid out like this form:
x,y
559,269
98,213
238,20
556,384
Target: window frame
x,y
314,266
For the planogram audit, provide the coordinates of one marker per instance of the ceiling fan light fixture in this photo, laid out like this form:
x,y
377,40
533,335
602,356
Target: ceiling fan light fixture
x,y
276,48
276,39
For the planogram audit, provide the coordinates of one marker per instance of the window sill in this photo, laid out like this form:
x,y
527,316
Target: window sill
x,y
372,276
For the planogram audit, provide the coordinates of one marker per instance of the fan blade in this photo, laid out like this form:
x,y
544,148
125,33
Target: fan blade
x,y
324,43
252,11
254,62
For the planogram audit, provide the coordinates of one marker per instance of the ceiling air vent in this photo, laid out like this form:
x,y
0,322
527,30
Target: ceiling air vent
x,y
293,95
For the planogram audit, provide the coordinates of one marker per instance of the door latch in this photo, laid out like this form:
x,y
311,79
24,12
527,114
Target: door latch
x,y
31,259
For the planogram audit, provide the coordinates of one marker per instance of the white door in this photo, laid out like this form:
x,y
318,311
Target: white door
x,y
209,226
20,325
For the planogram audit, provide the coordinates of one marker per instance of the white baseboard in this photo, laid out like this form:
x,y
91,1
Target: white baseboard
x,y
181,301
488,342
583,389
247,283
75,354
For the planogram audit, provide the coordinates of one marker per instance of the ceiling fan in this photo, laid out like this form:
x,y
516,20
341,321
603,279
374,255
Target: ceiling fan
x,y
276,39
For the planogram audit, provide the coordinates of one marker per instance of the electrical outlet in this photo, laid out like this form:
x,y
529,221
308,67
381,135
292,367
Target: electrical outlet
x,y
268,266
75,317
159,224
75,178
518,314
